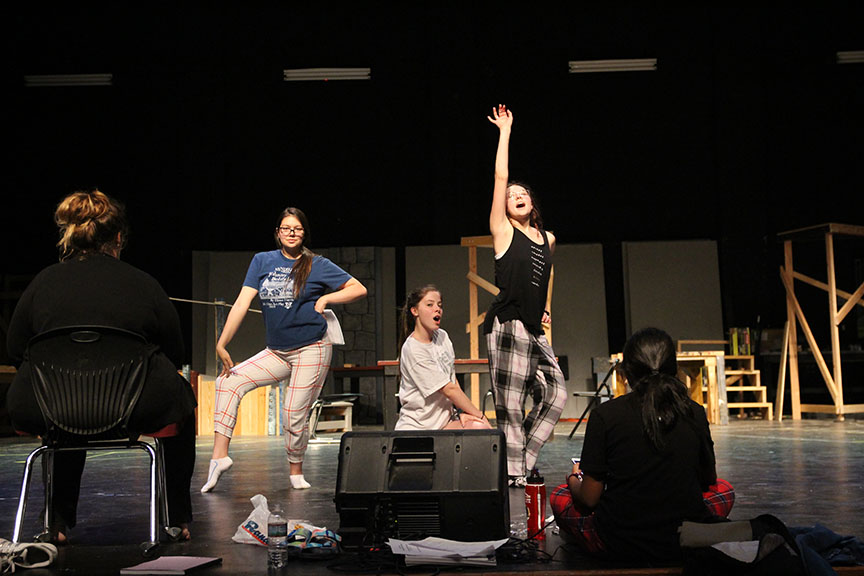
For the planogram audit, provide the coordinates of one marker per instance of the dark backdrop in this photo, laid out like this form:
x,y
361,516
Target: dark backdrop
x,y
747,128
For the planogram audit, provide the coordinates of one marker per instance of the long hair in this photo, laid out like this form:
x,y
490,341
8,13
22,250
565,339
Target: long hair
x,y
407,320
651,368
303,266
534,219
90,222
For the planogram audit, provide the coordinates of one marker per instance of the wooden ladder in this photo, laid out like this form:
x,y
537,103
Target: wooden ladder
x,y
741,377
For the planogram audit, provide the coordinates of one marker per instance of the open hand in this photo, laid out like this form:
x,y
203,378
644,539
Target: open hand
x,y
501,116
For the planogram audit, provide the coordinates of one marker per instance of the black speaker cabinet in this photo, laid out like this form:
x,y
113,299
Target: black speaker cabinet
x,y
413,484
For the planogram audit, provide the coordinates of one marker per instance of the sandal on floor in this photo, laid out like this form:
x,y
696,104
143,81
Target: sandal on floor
x,y
178,533
297,540
322,544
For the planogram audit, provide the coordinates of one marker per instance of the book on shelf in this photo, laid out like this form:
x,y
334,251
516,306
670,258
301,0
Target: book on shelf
x,y
739,341
171,565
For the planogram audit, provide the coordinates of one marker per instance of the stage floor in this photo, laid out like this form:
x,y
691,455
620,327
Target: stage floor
x,y
805,472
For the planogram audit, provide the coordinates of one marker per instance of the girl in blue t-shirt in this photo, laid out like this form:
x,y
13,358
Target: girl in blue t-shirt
x,y
294,286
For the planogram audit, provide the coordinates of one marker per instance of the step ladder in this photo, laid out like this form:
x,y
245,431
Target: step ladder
x,y
742,378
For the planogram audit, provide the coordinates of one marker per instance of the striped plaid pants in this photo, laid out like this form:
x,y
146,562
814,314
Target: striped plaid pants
x,y
305,368
520,364
719,499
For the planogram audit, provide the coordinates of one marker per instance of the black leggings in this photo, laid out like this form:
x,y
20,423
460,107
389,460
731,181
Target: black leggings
x,y
179,454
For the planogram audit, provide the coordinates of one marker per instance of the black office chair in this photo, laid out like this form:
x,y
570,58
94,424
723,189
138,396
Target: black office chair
x,y
87,380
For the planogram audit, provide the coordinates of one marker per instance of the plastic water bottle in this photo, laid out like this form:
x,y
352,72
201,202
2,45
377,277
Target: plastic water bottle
x,y
277,538
535,505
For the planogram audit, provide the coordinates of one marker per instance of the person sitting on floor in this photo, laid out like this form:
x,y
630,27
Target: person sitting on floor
x,y
647,464
428,390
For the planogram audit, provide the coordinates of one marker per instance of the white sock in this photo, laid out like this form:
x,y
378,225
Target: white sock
x,y
217,467
298,482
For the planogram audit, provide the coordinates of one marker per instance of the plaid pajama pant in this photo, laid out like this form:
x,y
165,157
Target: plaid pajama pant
x,y
307,369
719,499
521,364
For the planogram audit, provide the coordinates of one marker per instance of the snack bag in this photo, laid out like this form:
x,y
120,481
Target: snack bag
x,y
253,530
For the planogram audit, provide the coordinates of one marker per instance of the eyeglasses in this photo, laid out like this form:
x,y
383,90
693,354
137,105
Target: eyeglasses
x,y
513,194
290,231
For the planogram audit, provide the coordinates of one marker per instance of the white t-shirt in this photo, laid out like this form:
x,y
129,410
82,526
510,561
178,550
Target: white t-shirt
x,y
425,369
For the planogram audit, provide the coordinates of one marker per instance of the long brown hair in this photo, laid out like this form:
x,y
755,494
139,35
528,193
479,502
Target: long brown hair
x,y
408,321
303,266
90,222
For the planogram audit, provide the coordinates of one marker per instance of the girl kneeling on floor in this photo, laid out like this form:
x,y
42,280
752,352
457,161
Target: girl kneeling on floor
x,y
429,394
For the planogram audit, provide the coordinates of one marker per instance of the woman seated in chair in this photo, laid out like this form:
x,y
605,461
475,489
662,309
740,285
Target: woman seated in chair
x,y
91,286
428,390
647,464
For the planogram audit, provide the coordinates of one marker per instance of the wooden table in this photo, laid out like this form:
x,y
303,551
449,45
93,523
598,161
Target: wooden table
x,y
353,375
391,388
690,366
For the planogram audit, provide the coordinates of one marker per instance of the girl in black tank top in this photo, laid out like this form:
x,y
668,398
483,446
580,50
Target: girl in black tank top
x,y
521,361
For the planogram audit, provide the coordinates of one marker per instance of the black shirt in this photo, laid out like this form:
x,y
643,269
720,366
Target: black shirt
x,y
102,290
522,274
648,492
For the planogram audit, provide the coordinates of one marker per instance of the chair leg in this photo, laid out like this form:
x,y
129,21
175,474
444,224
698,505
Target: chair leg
x,y
149,548
25,492
314,416
489,394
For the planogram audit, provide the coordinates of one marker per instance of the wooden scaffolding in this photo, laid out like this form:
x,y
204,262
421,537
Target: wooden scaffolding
x,y
795,315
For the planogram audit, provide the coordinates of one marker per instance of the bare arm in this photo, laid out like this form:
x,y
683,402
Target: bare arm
x,y
232,324
499,224
349,292
547,310
460,400
585,490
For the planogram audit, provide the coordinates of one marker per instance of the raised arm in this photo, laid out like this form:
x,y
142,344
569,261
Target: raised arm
x,y
232,324
499,224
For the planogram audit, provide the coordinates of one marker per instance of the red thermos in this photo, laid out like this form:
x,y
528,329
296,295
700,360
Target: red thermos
x,y
535,505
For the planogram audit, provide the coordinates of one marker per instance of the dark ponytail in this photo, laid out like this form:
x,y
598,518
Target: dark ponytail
x,y
651,368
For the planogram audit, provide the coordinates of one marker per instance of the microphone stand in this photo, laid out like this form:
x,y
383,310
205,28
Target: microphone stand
x,y
596,397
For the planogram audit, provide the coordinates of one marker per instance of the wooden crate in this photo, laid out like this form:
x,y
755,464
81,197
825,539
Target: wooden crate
x,y
251,418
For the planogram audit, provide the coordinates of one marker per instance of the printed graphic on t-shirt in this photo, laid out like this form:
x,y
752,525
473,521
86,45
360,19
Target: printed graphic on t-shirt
x,y
277,289
445,360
